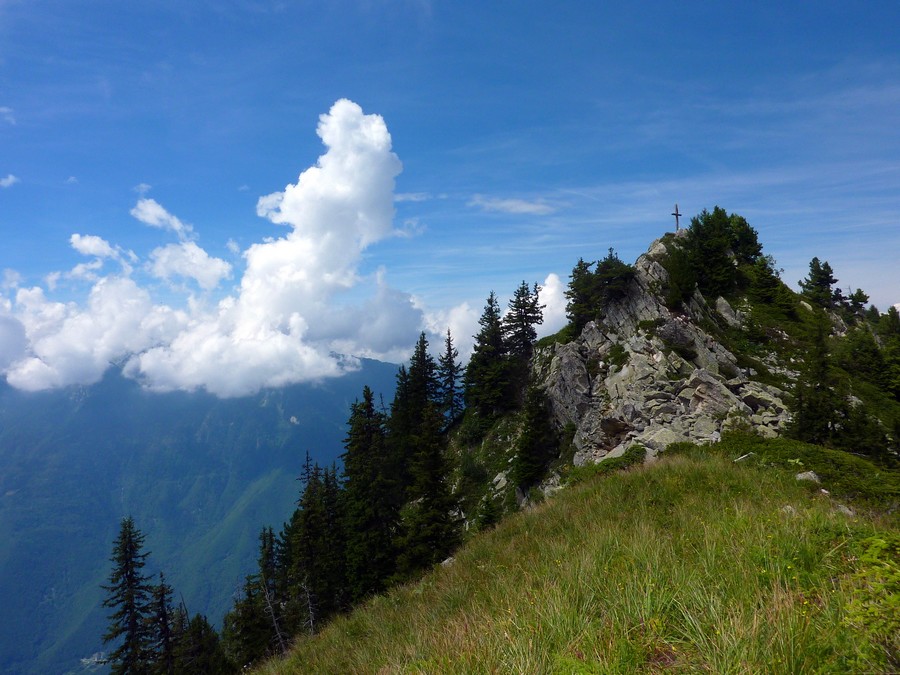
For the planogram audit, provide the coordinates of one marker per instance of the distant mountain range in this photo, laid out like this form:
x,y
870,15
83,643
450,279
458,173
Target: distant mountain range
x,y
200,475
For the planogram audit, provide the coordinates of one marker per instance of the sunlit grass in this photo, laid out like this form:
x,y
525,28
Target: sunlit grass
x,y
691,565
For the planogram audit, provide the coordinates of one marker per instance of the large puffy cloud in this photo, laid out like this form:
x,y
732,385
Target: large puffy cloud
x,y
71,345
302,299
553,297
285,324
189,261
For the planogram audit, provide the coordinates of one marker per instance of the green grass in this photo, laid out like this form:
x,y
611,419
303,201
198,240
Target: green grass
x,y
690,564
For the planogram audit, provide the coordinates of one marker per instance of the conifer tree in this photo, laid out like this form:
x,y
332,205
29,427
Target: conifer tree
x,y
581,294
487,385
162,634
246,630
537,442
708,242
817,287
430,528
369,502
525,312
449,372
199,651
129,595
817,404
417,388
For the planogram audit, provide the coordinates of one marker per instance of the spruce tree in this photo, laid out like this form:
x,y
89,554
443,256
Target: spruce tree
x,y
581,295
525,312
817,402
708,243
817,287
487,377
370,506
246,630
449,372
199,651
128,593
537,442
162,634
430,528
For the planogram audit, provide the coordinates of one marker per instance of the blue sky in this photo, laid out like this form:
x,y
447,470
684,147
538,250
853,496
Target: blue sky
x,y
520,136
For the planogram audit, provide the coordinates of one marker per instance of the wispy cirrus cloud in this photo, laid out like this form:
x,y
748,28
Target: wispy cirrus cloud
x,y
7,115
515,206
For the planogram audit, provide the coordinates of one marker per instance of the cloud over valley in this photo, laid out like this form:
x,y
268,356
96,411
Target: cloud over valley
x,y
301,308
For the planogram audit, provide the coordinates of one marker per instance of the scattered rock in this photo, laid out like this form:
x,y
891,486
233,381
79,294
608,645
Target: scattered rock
x,y
789,510
808,475
677,382
731,317
847,511
449,561
747,456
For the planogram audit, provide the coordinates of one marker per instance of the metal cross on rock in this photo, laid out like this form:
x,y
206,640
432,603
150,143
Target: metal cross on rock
x,y
677,216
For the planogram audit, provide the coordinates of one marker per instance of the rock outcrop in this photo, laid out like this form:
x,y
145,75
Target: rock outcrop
x,y
644,374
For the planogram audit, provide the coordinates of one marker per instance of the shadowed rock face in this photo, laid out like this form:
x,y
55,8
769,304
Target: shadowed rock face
x,y
677,382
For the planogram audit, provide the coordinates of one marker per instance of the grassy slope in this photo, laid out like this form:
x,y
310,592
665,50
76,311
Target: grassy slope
x,y
691,564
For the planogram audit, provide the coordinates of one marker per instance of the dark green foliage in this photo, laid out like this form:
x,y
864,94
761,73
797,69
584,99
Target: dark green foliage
x,y
162,636
859,354
247,630
590,289
449,374
817,287
487,376
538,442
618,355
765,286
199,652
370,505
719,254
612,277
709,244
525,312
682,276
430,530
316,575
743,240
889,323
858,300
581,307
817,396
129,594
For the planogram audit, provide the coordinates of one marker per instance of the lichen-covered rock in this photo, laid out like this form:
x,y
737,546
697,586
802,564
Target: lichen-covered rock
x,y
675,382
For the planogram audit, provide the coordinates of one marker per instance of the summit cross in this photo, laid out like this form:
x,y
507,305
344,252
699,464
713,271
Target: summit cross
x,y
677,216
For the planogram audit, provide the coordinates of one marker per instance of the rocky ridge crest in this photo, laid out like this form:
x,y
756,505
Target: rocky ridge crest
x,y
643,373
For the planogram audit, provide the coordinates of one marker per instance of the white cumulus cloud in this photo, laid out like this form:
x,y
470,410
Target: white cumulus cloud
x,y
553,297
302,299
89,244
150,212
189,261
285,323
9,181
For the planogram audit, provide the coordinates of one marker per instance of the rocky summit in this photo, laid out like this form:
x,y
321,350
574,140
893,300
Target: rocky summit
x,y
645,374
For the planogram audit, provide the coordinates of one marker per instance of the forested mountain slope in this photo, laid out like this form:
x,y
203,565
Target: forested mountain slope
x,y
198,473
